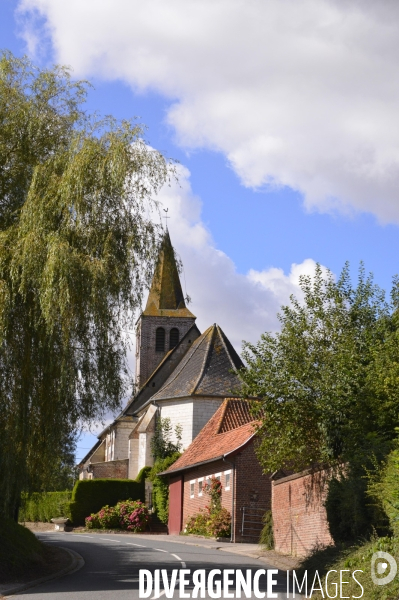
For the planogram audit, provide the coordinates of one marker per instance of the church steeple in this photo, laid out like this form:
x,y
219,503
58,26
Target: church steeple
x,y
166,318
166,294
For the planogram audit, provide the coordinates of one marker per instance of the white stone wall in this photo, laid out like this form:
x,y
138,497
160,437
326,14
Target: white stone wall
x,y
133,457
180,412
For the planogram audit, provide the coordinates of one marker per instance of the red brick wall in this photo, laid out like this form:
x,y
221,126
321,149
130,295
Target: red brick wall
x,y
192,505
252,489
299,516
113,469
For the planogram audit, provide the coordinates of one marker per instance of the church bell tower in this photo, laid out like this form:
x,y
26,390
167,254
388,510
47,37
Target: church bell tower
x,y
166,319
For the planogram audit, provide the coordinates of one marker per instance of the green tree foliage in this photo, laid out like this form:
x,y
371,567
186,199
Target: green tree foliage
x,y
326,392
76,248
162,445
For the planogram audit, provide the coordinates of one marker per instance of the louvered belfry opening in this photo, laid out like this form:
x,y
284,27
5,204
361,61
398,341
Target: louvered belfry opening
x,y
160,339
173,338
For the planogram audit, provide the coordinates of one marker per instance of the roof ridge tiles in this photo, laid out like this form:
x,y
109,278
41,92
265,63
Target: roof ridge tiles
x,y
205,359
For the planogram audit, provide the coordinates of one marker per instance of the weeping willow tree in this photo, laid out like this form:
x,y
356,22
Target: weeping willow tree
x,y
76,247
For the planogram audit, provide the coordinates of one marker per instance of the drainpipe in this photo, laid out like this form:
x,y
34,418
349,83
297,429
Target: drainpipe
x,y
232,534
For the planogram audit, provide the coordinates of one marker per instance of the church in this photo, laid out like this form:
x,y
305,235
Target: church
x,y
180,374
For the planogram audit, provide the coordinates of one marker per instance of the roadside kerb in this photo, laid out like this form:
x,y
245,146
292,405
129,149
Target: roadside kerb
x,y
76,563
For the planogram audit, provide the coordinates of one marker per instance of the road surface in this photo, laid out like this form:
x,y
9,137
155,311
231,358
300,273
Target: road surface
x,y
113,562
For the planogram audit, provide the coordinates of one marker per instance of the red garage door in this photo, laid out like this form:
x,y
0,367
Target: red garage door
x,y
175,505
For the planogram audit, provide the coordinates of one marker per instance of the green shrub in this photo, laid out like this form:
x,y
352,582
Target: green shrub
x,y
160,486
351,512
90,495
19,548
198,524
43,506
215,520
386,490
266,539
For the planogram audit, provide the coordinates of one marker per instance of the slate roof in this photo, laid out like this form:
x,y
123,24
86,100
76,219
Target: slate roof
x,y
230,428
205,370
166,295
161,373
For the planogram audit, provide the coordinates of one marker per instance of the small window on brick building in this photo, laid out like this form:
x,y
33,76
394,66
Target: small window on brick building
x,y
192,488
200,486
160,339
173,338
218,476
227,480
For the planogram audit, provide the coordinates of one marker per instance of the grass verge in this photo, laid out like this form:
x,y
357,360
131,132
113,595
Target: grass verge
x,y
349,560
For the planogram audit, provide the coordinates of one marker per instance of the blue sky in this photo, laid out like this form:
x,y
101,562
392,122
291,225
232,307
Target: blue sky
x,y
284,123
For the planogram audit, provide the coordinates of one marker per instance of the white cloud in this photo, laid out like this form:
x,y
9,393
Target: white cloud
x,y
243,305
300,93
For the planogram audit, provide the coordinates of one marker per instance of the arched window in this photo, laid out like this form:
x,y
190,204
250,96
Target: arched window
x,y
160,339
173,338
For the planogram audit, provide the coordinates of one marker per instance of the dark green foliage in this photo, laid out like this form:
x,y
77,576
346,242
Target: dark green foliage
x,y
161,444
266,539
45,506
90,495
384,487
160,486
322,378
19,548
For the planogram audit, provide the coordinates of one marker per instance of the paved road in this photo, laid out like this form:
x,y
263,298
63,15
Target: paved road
x,y
112,564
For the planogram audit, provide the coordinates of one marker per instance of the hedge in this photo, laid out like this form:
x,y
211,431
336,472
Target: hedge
x,y
90,495
43,506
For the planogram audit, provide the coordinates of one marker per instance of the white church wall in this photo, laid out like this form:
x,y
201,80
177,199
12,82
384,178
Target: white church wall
x,y
180,412
133,457
121,440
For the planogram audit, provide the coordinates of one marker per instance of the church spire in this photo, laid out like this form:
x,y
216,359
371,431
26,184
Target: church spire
x,y
166,295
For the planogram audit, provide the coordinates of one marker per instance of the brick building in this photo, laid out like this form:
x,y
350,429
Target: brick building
x,y
180,374
225,449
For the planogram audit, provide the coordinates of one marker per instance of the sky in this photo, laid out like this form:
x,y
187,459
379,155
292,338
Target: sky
x,y
283,116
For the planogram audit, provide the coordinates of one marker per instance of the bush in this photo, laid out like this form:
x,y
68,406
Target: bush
x,y
43,506
19,549
219,524
198,524
160,486
214,521
131,515
386,490
90,495
266,539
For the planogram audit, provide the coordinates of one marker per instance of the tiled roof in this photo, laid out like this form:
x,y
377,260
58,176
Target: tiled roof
x,y
230,428
166,295
206,370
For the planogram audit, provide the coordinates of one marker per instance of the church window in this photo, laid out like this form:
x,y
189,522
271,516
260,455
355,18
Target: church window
x,y
173,338
160,339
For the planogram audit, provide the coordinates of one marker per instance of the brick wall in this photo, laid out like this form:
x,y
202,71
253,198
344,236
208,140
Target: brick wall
x,y
253,491
147,358
192,505
112,469
299,516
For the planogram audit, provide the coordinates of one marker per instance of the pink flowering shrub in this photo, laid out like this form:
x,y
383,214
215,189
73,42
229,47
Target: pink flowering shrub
x,y
131,515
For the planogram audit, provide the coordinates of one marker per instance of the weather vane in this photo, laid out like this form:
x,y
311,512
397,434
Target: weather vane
x,y
166,216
